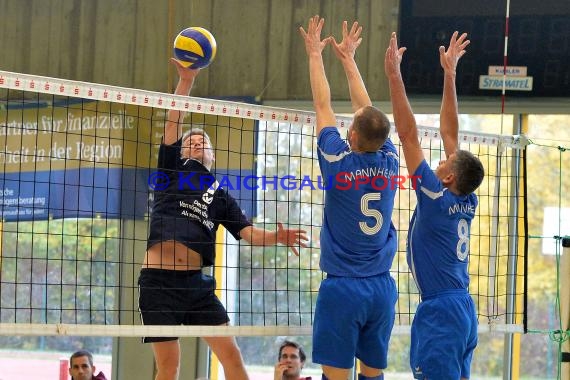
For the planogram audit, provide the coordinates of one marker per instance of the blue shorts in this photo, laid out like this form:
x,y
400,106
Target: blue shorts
x,y
354,317
444,335
170,297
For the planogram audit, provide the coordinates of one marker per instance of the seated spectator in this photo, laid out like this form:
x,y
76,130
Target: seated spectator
x,y
291,361
81,367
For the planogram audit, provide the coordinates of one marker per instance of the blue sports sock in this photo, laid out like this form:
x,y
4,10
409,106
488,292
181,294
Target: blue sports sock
x,y
362,377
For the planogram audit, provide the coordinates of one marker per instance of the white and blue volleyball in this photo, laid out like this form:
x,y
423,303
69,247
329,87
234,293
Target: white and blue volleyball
x,y
195,47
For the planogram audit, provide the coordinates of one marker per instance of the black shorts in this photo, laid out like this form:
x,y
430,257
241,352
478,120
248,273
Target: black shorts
x,y
170,297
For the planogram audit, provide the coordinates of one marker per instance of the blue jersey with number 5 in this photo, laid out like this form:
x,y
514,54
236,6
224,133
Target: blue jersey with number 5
x,y
438,237
358,238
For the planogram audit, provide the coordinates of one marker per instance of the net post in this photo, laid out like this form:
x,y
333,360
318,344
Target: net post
x,y
565,307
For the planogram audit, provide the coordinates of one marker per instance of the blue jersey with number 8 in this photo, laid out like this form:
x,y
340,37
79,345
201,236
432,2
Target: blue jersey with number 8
x,y
438,237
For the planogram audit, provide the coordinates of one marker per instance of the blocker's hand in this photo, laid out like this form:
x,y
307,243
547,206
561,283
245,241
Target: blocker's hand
x,y
393,57
449,58
312,37
350,41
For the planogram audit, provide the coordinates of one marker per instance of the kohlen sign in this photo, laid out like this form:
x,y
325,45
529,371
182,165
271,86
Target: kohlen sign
x,y
515,79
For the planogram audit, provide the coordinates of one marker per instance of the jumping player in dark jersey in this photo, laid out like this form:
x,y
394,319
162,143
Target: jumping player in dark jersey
x,y
444,329
187,210
355,311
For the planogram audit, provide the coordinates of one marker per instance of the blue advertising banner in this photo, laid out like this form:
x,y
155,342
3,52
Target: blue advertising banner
x,y
93,159
76,193
96,192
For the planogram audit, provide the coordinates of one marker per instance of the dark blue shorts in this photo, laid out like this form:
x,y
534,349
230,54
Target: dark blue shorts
x,y
354,318
169,297
444,335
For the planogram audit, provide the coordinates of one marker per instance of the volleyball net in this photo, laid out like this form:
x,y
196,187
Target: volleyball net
x,y
78,166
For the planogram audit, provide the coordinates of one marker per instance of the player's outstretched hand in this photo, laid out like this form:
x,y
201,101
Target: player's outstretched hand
x,y
292,238
393,57
184,73
456,49
312,37
350,41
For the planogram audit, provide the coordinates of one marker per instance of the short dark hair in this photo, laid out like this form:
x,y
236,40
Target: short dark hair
x,y
288,343
469,172
373,128
79,354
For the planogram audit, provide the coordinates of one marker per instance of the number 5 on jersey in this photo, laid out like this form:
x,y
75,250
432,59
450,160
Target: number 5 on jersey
x,y
367,211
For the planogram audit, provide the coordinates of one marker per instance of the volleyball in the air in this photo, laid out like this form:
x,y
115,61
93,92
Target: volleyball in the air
x,y
194,47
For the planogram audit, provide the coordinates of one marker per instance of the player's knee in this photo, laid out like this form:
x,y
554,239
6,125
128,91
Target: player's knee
x,y
233,362
232,359
235,368
167,371
167,362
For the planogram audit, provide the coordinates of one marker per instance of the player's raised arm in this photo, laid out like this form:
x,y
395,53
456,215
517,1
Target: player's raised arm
x,y
403,115
449,122
319,83
345,51
173,127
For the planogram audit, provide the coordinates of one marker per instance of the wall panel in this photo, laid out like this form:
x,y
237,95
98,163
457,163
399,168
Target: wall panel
x,y
129,42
